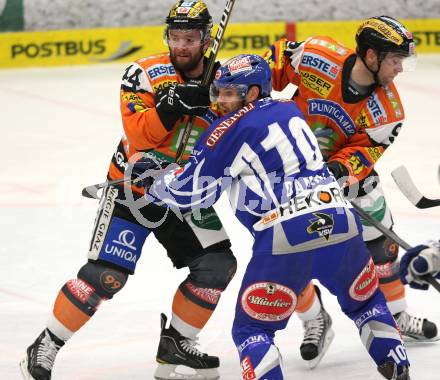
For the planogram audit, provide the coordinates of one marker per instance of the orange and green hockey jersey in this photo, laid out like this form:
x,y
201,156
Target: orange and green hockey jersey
x,y
351,128
143,130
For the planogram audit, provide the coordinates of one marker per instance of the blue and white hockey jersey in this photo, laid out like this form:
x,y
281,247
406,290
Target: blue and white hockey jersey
x,y
279,187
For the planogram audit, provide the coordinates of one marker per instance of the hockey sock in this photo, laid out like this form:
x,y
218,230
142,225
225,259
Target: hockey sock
x,y
308,304
192,308
394,293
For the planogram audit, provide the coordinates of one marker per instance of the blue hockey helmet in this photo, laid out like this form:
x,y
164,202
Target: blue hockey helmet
x,y
242,72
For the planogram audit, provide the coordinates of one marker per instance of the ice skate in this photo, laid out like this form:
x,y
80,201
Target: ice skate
x,y
390,371
179,359
40,356
318,336
415,328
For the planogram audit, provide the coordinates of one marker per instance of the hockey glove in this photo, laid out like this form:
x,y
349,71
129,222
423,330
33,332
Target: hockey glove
x,y
143,172
181,99
419,261
337,169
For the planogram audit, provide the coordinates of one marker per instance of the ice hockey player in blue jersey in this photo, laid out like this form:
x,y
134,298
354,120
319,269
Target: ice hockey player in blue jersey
x,y
265,155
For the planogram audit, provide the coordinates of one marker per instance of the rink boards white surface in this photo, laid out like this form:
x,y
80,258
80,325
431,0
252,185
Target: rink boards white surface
x,y
59,128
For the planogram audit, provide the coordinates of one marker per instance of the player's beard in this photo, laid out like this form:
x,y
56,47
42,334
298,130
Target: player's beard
x,y
188,63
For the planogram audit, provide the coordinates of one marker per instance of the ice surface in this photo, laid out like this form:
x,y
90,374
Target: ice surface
x,y
59,128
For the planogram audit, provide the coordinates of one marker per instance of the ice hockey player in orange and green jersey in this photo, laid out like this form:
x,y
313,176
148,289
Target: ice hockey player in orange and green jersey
x,y
147,127
158,95
350,102
354,127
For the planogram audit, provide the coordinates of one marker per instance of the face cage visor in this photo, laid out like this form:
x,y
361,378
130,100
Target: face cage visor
x,y
406,59
227,92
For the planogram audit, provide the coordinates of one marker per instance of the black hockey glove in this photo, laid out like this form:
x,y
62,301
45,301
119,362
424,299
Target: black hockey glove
x,y
181,99
337,169
143,172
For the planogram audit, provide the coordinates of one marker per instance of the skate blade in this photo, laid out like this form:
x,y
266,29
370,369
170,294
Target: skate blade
x,y
181,372
24,369
409,339
328,340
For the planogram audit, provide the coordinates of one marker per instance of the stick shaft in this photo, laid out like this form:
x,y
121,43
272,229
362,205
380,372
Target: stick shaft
x,y
393,236
206,74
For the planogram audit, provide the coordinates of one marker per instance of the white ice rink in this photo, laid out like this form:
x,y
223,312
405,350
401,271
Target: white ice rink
x,y
59,128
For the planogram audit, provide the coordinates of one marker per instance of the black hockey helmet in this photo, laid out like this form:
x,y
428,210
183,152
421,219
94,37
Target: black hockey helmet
x,y
384,34
189,15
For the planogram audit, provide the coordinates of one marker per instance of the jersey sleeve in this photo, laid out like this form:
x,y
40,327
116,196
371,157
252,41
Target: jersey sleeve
x,y
198,184
214,164
284,58
364,149
140,120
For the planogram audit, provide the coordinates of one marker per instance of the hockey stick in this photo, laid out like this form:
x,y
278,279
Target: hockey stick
x,y
92,190
206,74
394,237
408,188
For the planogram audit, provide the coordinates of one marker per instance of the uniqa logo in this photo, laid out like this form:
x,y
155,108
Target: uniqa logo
x,y
126,238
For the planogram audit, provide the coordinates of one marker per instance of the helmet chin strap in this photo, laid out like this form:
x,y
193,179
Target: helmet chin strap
x,y
380,57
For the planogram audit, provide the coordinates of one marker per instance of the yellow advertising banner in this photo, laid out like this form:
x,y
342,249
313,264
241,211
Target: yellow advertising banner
x,y
426,32
73,47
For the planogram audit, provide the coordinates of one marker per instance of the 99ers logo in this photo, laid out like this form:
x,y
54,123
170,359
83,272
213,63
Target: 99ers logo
x,y
268,301
365,283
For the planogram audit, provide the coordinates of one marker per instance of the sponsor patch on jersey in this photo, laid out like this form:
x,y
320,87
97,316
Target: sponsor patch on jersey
x,y
362,120
394,102
160,70
338,49
133,102
322,225
356,164
305,202
254,340
268,301
376,109
80,289
374,153
220,130
376,311
206,218
333,111
247,371
316,83
123,243
131,97
240,64
321,64
160,85
365,283
194,136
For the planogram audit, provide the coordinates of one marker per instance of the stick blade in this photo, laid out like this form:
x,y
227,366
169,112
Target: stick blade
x,y
408,188
406,185
90,192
